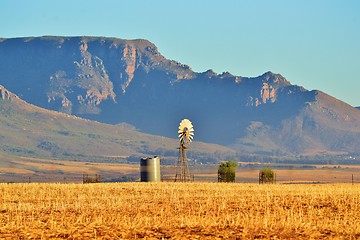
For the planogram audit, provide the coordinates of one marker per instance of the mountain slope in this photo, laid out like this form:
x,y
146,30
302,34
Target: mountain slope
x,y
113,80
30,131
323,125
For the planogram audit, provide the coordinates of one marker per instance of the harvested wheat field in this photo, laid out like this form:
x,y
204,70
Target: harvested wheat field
x,y
178,211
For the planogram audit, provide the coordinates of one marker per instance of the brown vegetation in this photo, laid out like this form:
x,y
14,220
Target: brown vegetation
x,y
179,210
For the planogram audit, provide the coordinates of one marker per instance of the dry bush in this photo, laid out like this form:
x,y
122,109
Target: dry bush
x,y
179,210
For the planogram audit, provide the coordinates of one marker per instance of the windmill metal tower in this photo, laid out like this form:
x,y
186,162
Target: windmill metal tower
x,y
186,135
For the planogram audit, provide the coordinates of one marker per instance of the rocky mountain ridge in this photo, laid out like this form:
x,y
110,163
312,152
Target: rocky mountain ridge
x,y
113,80
6,95
91,62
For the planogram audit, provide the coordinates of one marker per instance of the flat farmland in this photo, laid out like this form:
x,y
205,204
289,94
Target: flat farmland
x,y
288,174
179,211
44,170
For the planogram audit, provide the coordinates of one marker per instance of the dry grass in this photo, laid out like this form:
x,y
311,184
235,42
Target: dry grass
x,y
176,210
25,164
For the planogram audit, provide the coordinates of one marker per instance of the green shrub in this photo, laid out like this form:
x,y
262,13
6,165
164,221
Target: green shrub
x,y
267,175
226,171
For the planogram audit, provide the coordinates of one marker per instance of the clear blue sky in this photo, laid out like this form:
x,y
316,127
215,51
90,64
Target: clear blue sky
x,y
313,43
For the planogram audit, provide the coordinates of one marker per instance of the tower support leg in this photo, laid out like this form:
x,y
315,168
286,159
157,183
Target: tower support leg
x,y
182,171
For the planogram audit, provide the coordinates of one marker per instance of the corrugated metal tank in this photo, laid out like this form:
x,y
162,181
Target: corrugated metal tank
x,y
150,169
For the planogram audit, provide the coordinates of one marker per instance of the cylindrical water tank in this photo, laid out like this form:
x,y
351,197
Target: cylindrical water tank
x,y
150,169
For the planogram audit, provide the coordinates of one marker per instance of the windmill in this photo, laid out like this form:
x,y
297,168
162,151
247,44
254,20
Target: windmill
x,y
186,135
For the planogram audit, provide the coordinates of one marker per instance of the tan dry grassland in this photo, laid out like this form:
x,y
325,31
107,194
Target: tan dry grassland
x,y
179,211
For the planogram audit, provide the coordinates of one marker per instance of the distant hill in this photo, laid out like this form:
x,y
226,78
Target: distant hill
x,y
30,131
113,81
323,124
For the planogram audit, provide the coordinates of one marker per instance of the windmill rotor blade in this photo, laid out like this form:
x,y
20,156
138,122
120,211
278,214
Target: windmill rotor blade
x,y
185,120
185,131
185,123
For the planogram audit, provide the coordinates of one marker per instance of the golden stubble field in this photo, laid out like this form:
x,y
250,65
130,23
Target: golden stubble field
x,y
178,211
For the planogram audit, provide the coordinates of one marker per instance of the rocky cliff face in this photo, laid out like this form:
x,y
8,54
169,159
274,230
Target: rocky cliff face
x,y
89,75
113,80
78,74
6,95
268,86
